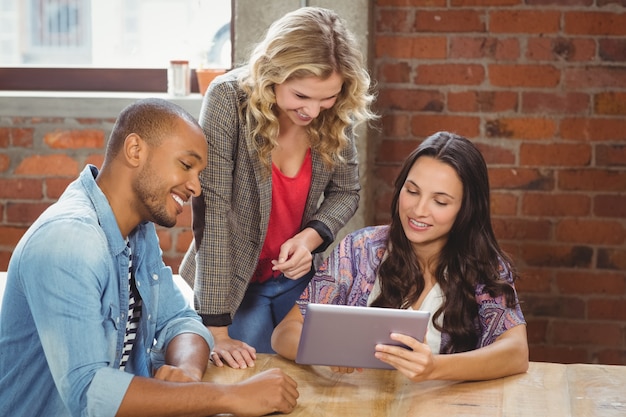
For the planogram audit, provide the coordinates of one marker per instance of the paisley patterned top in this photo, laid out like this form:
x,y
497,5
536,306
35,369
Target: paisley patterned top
x,y
348,276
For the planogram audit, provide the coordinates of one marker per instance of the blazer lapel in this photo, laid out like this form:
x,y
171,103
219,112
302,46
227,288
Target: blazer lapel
x,y
319,180
264,184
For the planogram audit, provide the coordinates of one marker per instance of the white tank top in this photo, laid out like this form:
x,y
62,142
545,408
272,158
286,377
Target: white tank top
x,y
432,302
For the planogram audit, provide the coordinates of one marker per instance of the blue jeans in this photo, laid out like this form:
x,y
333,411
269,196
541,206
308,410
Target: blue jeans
x,y
264,305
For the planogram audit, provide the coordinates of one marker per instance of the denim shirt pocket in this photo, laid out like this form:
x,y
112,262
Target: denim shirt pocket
x,y
112,324
113,316
152,304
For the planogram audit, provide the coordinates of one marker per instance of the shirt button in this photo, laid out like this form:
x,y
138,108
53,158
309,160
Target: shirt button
x,y
149,316
137,283
155,277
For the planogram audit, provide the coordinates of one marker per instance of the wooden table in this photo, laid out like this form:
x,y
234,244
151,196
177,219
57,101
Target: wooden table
x,y
546,390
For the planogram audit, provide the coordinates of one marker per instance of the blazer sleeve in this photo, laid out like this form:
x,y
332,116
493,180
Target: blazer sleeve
x,y
340,192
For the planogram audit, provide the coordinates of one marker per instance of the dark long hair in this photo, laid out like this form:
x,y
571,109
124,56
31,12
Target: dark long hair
x,y
471,255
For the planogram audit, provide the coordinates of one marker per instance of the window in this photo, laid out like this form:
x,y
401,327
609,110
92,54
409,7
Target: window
x,y
108,45
55,31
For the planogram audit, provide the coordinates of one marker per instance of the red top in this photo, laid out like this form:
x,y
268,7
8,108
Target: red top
x,y
289,195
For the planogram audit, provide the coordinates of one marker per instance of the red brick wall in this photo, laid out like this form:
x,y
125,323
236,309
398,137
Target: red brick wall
x,y
540,86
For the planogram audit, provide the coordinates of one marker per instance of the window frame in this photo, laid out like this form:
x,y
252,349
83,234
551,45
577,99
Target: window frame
x,y
87,79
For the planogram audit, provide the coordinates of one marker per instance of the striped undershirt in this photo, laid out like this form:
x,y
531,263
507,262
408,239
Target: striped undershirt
x,y
134,311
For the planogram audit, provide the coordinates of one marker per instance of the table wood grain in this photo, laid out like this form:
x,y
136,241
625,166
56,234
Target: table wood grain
x,y
547,389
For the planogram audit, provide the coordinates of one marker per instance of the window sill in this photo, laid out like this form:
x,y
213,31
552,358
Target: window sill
x,y
82,104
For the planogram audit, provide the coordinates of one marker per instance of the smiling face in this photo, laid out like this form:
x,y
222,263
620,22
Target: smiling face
x,y
170,175
428,205
301,100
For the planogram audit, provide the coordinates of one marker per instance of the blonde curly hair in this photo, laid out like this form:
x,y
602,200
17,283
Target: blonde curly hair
x,y
308,42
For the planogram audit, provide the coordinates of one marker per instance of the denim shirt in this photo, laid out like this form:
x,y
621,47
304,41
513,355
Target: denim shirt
x,y
65,308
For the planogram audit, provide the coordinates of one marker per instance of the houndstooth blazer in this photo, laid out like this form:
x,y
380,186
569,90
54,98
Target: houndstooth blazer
x,y
231,216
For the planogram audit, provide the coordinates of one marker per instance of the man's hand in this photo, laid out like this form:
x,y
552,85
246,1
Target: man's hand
x,y
271,391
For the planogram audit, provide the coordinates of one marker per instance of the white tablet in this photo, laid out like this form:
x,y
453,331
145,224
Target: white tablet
x,y
338,335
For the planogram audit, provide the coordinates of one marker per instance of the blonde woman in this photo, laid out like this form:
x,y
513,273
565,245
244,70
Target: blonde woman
x,y
281,179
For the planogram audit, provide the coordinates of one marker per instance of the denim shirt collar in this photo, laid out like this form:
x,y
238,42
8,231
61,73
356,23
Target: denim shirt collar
x,y
106,218
104,212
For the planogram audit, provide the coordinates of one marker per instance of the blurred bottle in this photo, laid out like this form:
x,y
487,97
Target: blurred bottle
x,y
178,78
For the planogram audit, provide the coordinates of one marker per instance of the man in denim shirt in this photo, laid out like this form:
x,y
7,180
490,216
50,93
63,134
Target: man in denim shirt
x,y
66,305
